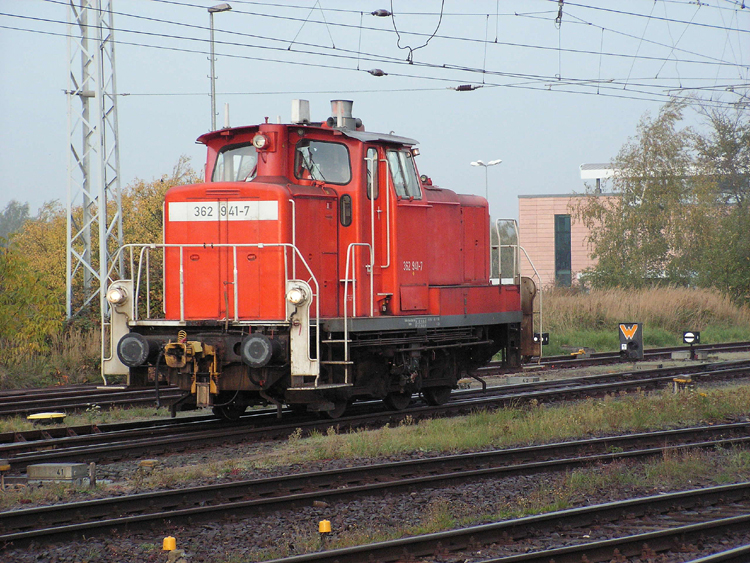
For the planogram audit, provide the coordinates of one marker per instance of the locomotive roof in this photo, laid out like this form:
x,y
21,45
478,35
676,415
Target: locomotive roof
x,y
364,136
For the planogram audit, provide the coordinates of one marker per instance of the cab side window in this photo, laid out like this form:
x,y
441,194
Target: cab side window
x,y
372,173
322,161
403,174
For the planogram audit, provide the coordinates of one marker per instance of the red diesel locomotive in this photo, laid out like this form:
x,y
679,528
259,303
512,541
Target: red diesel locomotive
x,y
314,267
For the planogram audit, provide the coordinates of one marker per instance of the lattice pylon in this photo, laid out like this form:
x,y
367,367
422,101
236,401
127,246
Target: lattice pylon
x,y
94,211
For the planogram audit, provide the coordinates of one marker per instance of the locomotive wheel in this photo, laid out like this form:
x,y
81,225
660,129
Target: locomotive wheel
x,y
435,396
397,401
338,409
232,411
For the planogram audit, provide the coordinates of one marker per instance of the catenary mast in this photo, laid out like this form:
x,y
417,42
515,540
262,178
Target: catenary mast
x,y
94,211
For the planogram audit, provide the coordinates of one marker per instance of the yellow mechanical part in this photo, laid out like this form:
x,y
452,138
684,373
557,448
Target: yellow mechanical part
x,y
176,355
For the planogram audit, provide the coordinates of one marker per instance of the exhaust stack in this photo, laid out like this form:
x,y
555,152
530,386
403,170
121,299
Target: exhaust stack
x,y
341,110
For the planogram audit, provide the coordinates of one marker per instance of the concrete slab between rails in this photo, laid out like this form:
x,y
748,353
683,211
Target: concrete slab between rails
x,y
58,473
685,355
516,379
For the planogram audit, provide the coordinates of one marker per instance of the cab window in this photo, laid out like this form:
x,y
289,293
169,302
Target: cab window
x,y
403,174
323,161
236,163
372,173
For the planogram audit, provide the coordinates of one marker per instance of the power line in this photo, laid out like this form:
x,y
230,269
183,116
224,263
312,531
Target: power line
x,y
559,86
634,14
552,82
338,52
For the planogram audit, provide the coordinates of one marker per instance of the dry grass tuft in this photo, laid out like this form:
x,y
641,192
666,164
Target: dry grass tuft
x,y
670,308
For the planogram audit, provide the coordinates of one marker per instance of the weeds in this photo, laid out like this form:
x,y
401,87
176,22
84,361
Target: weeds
x,y
590,319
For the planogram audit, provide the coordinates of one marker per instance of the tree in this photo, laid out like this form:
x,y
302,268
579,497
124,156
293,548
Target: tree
x,y
30,310
33,265
13,217
723,196
638,236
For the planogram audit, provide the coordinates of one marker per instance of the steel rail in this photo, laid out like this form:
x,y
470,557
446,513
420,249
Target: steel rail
x,y
513,530
115,446
737,555
80,397
258,495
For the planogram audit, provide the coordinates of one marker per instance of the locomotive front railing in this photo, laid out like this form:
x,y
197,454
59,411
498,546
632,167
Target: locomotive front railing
x,y
140,272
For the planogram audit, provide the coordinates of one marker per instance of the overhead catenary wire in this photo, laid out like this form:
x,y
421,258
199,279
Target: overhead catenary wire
x,y
637,88
345,52
644,96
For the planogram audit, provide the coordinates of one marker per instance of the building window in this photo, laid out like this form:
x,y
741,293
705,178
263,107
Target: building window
x,y
562,251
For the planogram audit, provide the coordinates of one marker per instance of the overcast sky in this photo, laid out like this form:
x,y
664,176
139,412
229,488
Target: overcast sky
x,y
560,87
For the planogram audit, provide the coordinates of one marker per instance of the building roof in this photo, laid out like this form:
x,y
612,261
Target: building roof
x,y
570,195
596,171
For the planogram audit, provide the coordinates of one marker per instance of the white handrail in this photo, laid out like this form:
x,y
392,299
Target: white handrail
x,y
350,254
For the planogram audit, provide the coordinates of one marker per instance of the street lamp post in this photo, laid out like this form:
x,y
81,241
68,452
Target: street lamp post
x,y
486,181
211,11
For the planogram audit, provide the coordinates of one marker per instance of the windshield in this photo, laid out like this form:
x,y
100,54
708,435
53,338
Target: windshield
x,y
237,163
323,161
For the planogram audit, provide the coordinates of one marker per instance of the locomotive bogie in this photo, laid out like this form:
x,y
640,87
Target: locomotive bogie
x,y
314,267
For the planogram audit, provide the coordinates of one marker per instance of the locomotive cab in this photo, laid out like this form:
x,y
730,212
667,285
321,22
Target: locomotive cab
x,y
314,267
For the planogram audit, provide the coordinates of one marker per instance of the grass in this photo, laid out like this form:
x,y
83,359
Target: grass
x,y
92,415
73,357
576,319
522,425
675,471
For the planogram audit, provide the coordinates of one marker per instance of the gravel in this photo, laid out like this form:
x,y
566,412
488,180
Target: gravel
x,y
292,531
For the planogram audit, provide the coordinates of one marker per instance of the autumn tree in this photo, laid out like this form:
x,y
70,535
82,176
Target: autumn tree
x,y
33,267
30,310
678,213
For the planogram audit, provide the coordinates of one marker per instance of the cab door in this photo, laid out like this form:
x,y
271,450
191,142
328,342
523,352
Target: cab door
x,y
409,233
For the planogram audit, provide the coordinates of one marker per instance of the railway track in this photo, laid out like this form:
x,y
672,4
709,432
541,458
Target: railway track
x,y
108,443
212,503
22,402
677,519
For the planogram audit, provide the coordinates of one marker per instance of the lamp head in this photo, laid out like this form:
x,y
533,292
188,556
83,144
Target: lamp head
x,y
219,8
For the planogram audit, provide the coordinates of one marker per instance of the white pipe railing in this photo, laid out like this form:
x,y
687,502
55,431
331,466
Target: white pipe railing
x,y
143,261
350,255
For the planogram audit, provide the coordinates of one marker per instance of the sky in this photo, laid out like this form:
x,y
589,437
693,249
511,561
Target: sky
x,y
548,85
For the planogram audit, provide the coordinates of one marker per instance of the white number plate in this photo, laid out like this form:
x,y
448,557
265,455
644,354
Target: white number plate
x,y
251,210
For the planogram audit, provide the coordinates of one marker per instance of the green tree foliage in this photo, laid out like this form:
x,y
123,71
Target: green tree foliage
x,y
30,309
723,158
678,213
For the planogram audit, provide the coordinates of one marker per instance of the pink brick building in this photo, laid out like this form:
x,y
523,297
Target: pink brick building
x,y
556,243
